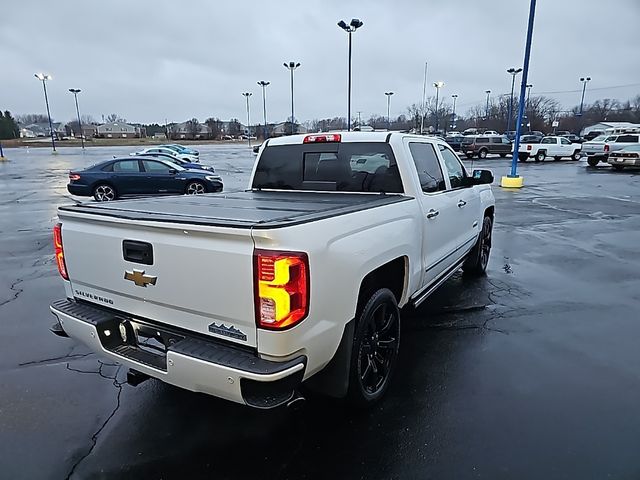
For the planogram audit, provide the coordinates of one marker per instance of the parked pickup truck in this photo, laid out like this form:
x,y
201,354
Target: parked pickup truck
x,y
300,278
598,149
556,147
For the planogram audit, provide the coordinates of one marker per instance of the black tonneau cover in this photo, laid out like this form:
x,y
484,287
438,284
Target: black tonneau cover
x,y
250,209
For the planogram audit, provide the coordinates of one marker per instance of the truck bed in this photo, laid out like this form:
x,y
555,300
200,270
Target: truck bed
x,y
248,209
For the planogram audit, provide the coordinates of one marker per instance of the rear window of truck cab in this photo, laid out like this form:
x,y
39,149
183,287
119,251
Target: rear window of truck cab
x,y
344,167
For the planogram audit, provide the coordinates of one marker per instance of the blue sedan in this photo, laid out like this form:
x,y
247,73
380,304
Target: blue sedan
x,y
109,180
181,149
179,161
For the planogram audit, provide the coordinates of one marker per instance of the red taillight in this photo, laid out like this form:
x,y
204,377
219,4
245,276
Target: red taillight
x,y
59,251
529,147
606,148
74,176
281,288
327,138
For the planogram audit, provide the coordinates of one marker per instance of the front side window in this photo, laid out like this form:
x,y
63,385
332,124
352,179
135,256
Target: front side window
x,y
505,140
129,166
428,167
564,141
455,168
496,140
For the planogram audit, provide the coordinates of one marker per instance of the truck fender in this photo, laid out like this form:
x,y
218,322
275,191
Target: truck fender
x,y
333,379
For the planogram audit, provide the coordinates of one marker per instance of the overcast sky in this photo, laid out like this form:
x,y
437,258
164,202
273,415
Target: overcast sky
x,y
147,61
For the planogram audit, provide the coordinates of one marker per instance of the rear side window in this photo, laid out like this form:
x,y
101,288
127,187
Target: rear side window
x,y
627,139
548,140
428,167
346,167
482,140
467,141
126,166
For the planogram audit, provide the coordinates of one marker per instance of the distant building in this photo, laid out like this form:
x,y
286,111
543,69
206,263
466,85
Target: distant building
x,y
284,128
41,129
603,127
117,130
159,136
181,131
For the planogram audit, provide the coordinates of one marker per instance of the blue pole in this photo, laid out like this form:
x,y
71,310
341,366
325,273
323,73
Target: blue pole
x,y
523,88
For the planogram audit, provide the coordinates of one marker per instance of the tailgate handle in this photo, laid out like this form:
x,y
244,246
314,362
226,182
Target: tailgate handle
x,y
137,252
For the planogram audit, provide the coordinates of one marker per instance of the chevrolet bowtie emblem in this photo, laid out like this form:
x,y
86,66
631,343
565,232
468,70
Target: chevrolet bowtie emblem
x,y
139,278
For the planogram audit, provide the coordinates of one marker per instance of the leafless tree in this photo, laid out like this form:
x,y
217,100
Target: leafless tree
x,y
193,128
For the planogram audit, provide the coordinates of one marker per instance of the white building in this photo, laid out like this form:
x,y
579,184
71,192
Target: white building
x,y
610,127
116,130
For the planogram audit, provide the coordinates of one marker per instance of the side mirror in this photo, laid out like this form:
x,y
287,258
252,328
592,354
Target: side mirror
x,y
173,171
482,177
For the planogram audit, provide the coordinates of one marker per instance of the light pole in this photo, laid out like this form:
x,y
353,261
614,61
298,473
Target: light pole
x,y
584,81
513,180
75,92
453,114
424,93
438,86
352,27
246,95
43,78
388,94
264,84
513,72
529,87
292,66
488,92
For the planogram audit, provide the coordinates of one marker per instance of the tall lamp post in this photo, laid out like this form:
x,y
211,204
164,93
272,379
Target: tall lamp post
x,y
264,84
486,114
352,27
453,113
75,92
529,87
246,95
513,72
43,78
584,81
513,180
438,86
292,66
388,94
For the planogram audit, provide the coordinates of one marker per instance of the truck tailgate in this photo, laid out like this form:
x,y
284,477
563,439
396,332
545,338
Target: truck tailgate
x,y
199,279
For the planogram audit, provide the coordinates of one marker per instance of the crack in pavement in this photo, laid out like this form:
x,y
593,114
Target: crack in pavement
x,y
118,385
47,360
16,293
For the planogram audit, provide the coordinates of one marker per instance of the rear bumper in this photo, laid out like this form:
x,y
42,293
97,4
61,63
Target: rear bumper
x,y
193,363
81,190
626,162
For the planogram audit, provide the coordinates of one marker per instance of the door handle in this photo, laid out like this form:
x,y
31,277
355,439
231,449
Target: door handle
x,y
432,213
461,203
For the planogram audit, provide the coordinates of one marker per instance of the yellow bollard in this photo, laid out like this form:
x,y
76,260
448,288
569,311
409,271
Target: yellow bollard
x,y
512,182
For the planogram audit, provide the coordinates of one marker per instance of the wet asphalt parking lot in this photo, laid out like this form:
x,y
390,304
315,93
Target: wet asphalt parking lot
x,y
530,373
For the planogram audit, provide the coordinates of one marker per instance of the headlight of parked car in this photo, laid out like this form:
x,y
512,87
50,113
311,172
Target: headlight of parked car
x,y
213,178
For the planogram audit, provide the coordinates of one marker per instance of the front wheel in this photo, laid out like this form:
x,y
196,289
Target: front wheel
x,y
195,188
482,154
576,156
104,193
375,349
477,261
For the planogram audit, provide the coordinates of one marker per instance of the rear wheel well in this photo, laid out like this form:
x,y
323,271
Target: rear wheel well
x,y
391,275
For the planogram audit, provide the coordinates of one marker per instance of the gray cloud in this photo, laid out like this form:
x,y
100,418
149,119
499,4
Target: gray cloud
x,y
148,61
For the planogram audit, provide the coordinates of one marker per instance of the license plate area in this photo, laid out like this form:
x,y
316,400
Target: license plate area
x,y
137,341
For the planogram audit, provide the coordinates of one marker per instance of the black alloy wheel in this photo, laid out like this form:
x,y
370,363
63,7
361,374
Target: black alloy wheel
x,y
375,349
478,259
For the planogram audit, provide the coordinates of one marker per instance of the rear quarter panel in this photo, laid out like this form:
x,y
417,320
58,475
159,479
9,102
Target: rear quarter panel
x,y
342,251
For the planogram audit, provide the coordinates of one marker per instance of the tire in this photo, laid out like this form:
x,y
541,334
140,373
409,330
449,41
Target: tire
x,y
195,187
478,259
576,156
502,155
469,155
375,349
482,154
618,168
592,161
557,159
523,157
540,156
104,192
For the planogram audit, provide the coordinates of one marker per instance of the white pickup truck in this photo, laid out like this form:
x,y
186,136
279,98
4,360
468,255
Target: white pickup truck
x,y
300,278
556,147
